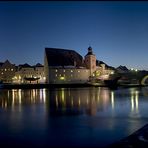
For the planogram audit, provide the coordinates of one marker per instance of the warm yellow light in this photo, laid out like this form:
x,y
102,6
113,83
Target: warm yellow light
x,y
112,99
112,72
62,78
14,78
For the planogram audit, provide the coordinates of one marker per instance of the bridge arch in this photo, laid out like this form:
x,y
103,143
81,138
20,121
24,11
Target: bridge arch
x,y
144,79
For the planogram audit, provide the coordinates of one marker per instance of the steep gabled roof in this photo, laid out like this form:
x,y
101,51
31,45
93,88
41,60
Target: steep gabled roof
x,y
24,65
63,57
124,68
7,63
38,65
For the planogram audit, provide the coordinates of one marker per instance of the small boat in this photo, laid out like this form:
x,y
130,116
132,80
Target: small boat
x,y
110,82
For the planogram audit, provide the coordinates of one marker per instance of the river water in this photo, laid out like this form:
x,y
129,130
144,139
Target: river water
x,y
74,117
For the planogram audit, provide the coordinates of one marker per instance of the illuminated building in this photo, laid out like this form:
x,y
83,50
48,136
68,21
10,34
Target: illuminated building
x,y
68,66
29,74
7,72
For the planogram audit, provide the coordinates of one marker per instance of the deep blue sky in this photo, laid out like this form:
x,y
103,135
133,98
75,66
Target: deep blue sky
x,y
117,31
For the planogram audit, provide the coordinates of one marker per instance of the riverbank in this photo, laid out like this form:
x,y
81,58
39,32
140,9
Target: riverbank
x,y
39,86
138,139
75,85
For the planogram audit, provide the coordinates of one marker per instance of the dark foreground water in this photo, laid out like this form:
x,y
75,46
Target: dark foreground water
x,y
78,117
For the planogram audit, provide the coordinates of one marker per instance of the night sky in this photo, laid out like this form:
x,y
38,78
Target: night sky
x,y
117,31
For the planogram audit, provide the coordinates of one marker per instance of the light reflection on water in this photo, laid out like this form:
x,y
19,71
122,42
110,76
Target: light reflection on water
x,y
93,116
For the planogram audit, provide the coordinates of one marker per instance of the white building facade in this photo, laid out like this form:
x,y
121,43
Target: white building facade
x,y
29,74
64,66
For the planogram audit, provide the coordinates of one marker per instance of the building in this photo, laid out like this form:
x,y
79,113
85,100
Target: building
x,y
68,66
29,74
64,66
7,72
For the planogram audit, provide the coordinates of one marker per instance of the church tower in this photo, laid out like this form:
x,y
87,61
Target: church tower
x,y
90,60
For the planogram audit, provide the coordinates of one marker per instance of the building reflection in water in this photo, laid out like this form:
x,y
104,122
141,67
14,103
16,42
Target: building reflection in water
x,y
74,101
20,97
71,101
112,100
134,102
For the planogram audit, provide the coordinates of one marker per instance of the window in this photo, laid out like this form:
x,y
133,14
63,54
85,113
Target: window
x,y
63,70
78,70
71,70
5,69
11,69
56,70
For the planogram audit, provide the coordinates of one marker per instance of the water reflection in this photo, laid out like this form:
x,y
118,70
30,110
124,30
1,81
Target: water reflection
x,y
93,100
20,97
134,103
76,114
76,101
112,99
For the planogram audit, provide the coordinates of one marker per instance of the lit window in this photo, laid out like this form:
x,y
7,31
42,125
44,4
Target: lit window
x,y
78,70
62,78
5,69
56,75
11,69
71,70
2,73
63,70
60,75
56,70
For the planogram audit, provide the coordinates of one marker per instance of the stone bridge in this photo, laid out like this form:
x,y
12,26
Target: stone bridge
x,y
141,77
143,80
